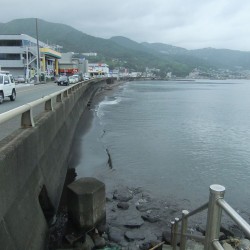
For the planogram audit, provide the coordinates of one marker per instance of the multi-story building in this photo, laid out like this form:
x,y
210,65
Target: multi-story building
x,y
19,53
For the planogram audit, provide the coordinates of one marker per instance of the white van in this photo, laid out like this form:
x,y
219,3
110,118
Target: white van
x,y
7,87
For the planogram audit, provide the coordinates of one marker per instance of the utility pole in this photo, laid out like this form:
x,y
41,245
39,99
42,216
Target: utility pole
x,y
27,66
38,54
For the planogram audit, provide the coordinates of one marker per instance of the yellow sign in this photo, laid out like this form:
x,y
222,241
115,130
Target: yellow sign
x,y
51,52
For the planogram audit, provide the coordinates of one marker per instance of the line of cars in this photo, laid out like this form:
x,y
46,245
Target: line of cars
x,y
66,80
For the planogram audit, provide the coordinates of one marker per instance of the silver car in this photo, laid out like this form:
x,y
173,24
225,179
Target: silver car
x,y
20,79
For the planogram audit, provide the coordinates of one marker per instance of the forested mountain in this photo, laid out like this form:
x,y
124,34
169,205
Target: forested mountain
x,y
123,52
219,58
224,58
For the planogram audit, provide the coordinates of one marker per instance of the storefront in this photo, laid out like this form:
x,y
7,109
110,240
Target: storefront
x,y
49,61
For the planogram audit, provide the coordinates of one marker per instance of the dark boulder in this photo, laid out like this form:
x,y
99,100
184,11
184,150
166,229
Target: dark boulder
x,y
123,205
166,236
115,235
134,235
99,242
151,217
123,194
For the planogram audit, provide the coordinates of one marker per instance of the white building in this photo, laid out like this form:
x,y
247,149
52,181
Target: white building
x,y
101,69
90,54
135,74
18,55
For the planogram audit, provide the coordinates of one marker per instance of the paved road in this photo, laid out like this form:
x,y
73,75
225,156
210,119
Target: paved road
x,y
29,93
25,94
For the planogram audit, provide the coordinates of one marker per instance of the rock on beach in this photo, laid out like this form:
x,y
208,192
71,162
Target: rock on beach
x,y
123,194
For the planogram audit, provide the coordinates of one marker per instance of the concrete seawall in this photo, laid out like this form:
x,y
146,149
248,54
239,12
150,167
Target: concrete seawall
x,y
33,166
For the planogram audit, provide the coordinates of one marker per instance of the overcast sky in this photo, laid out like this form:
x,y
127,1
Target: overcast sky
x,y
189,24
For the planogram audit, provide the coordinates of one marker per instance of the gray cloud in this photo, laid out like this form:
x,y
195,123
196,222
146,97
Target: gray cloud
x,y
187,23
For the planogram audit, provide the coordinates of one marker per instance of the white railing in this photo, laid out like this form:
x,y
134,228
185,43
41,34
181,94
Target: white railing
x,y
215,206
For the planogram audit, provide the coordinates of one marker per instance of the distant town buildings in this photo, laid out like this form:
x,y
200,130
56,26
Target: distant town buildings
x,y
219,74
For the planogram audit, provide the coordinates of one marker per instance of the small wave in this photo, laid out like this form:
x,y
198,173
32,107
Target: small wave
x,y
99,113
99,109
110,102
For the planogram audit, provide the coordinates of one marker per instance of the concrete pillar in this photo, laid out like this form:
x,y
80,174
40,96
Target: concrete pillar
x,y
86,202
56,66
43,63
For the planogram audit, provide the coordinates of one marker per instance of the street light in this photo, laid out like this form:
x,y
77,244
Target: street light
x,y
38,54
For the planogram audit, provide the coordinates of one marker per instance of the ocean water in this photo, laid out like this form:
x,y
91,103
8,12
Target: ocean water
x,y
173,139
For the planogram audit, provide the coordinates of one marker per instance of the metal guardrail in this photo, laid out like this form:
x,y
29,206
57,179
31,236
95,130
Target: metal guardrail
x,y
27,118
215,205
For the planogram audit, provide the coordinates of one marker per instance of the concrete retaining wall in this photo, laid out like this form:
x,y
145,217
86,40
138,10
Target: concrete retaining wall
x,y
32,159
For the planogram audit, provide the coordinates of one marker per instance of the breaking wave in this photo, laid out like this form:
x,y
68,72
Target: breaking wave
x,y
100,108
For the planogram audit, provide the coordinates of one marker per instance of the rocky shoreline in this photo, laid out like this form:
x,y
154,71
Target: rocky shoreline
x,y
134,220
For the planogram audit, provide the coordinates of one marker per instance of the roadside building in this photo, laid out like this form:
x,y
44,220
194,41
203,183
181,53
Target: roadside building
x,y
70,64
92,54
49,61
98,69
19,53
114,73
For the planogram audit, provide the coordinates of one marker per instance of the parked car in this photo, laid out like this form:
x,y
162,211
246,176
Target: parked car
x,y
63,80
77,77
72,79
7,87
20,79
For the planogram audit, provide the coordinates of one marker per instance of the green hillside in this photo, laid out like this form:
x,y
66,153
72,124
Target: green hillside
x,y
177,57
224,58
165,48
64,35
218,58
116,53
122,52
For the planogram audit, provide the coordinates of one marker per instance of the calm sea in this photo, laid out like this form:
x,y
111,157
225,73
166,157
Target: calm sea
x,y
173,139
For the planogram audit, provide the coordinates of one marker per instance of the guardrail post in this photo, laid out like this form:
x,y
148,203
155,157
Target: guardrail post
x,y
213,216
59,98
183,229
27,119
65,93
49,105
69,91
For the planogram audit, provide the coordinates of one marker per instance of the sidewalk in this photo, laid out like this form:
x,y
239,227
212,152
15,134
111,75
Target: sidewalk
x,y
20,85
